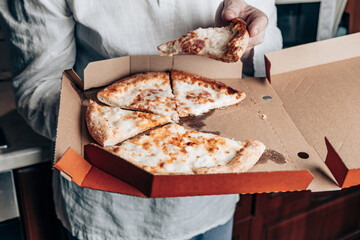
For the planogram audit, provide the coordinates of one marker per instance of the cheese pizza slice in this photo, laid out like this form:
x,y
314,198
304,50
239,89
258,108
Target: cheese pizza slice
x,y
111,125
172,149
226,44
149,92
196,95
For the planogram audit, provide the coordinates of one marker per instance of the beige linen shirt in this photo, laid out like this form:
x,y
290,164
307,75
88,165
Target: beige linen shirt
x,y
46,37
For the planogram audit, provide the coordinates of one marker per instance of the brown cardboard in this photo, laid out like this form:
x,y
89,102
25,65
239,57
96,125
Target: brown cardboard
x,y
81,172
280,168
101,73
69,119
319,84
313,54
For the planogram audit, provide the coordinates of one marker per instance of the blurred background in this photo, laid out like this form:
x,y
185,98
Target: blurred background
x,y
311,20
26,210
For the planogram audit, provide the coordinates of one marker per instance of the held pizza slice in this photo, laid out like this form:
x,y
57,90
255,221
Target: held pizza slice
x,y
196,95
149,92
172,149
111,125
226,44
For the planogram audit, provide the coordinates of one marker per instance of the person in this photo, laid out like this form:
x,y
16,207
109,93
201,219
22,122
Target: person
x,y
46,37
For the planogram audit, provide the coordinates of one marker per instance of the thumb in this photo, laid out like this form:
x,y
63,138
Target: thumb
x,y
231,9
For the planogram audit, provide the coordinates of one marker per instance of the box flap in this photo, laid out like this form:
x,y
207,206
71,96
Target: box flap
x,y
69,119
84,174
312,54
207,67
105,72
344,176
104,160
203,66
78,168
139,64
323,100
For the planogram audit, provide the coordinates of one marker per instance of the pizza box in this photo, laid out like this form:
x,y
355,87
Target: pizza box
x,y
290,163
319,85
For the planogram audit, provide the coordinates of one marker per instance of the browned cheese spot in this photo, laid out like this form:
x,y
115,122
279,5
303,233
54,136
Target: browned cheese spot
x,y
193,47
146,146
200,98
231,91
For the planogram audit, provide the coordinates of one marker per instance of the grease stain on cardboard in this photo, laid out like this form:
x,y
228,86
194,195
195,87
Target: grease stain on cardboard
x,y
272,155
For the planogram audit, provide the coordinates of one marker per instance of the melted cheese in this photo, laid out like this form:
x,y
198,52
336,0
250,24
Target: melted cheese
x,y
213,42
150,92
195,95
216,39
174,149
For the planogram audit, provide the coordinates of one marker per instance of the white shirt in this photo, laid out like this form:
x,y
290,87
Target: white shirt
x,y
48,36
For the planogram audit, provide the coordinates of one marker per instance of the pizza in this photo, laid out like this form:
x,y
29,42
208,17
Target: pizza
x,y
152,102
196,95
111,125
226,44
149,92
172,149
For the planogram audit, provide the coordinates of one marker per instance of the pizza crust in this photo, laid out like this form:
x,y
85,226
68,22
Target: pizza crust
x,y
245,159
226,44
111,125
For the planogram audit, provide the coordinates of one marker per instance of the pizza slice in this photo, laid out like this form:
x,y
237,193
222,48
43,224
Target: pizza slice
x,y
149,92
244,159
111,125
196,95
172,149
226,44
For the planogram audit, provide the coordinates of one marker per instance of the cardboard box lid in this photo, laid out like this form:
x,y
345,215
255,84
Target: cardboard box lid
x,y
255,118
319,85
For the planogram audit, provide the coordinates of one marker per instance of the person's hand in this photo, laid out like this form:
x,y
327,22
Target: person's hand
x,y
255,19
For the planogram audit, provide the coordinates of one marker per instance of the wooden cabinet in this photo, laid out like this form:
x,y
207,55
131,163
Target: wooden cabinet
x,y
299,216
272,216
353,10
243,217
34,193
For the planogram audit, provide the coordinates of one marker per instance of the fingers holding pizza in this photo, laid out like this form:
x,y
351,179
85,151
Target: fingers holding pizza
x,y
240,27
255,19
225,44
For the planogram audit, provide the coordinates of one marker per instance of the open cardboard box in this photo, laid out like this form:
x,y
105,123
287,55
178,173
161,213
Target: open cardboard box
x,y
319,85
292,160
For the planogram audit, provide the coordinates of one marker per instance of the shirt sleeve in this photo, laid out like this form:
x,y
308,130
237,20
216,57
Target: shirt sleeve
x,y
272,42
273,39
40,38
